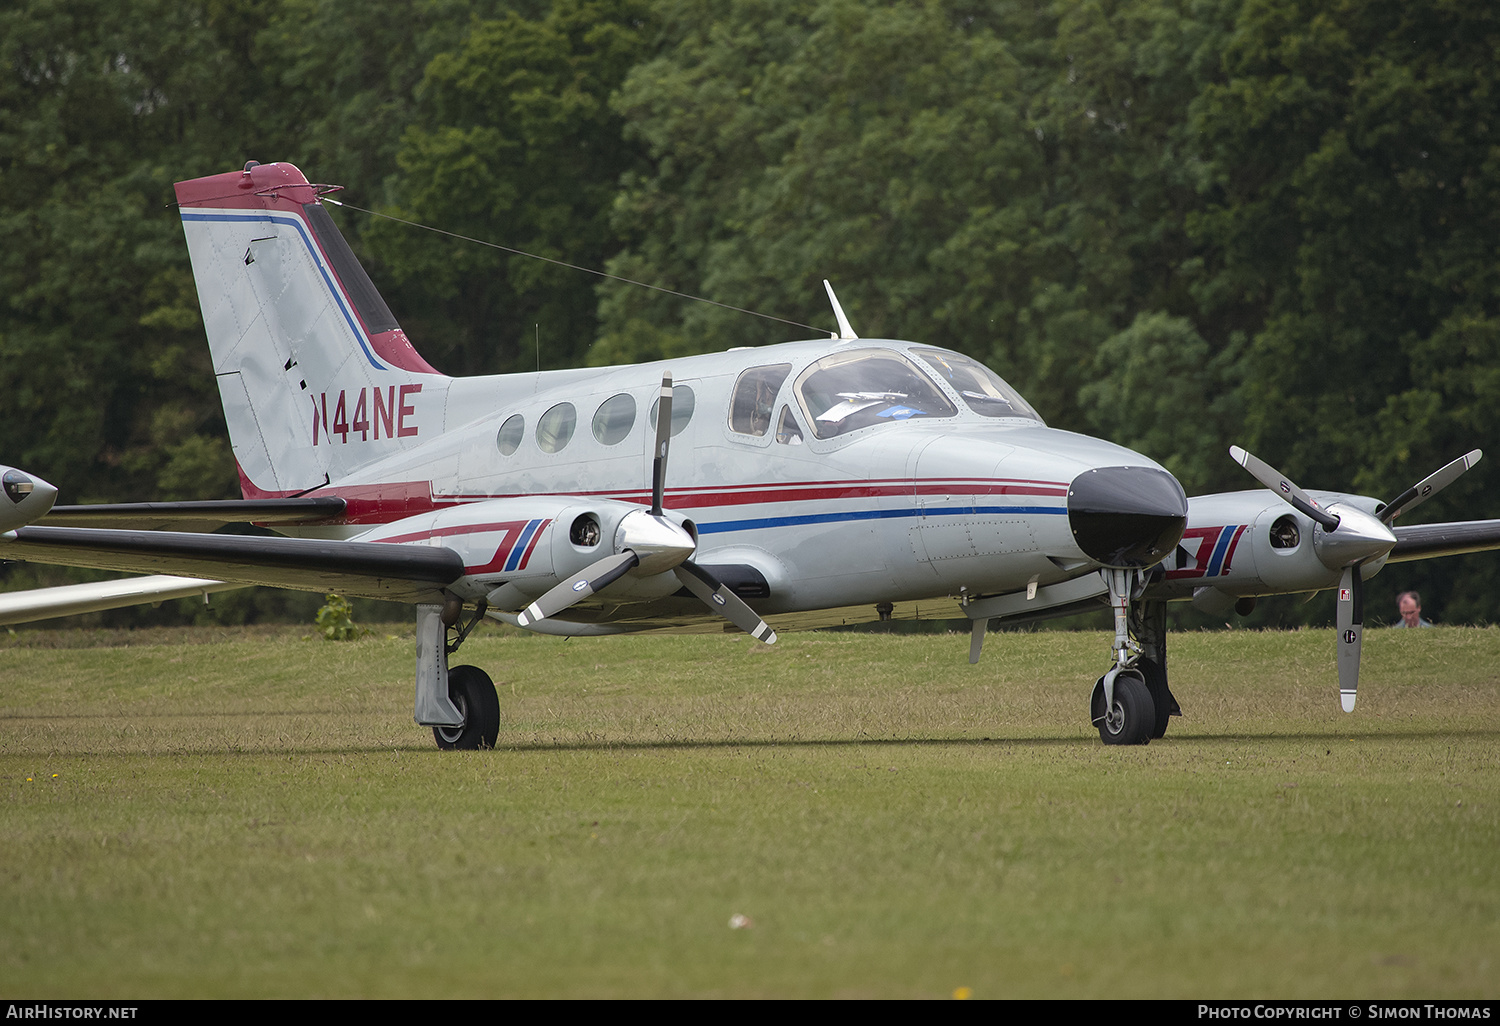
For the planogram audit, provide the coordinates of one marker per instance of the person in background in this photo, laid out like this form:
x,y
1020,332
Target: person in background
x,y
1409,604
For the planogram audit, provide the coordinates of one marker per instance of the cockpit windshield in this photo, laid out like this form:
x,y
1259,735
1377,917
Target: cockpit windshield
x,y
856,389
984,390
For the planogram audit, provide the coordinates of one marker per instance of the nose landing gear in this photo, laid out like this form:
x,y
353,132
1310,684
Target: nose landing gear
x,y
1121,705
1129,716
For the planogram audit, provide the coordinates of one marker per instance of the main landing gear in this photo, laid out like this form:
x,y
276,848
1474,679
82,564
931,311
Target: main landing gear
x,y
460,705
1131,703
473,693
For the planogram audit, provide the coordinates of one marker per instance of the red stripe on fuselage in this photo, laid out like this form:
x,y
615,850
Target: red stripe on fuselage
x,y
386,503
511,530
526,556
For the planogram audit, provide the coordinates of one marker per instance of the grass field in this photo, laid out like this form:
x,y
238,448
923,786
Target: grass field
x,y
258,817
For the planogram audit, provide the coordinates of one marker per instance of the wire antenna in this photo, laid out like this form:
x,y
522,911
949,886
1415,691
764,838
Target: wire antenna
x,y
575,267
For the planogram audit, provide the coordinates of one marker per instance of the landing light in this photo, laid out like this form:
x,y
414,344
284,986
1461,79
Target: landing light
x,y
17,485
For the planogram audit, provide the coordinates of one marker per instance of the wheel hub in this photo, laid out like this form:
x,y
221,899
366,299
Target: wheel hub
x,y
452,734
1114,719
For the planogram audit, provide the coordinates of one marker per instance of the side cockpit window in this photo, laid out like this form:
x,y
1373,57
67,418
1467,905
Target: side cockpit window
x,y
982,389
754,399
866,387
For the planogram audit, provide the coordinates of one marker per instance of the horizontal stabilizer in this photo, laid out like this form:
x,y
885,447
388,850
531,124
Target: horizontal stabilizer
x,y
196,516
73,599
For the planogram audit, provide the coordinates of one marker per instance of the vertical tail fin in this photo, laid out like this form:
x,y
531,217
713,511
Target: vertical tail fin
x,y
316,375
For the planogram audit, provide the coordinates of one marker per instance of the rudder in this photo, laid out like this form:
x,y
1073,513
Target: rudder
x,y
316,376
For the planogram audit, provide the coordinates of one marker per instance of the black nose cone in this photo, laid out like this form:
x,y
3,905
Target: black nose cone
x,y
1126,517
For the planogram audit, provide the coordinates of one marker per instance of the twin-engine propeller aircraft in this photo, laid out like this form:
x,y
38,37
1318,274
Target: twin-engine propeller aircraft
x,y
811,483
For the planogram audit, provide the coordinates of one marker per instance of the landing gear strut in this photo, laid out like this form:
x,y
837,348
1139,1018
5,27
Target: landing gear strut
x,y
460,705
1148,624
473,693
1123,704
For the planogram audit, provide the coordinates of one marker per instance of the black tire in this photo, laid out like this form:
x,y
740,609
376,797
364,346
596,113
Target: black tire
x,y
472,691
1133,718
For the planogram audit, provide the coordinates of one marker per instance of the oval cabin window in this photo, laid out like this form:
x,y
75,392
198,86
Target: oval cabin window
x,y
614,419
555,429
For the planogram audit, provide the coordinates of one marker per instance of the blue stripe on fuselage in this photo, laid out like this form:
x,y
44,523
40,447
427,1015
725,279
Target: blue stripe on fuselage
x,y
519,548
1222,546
874,514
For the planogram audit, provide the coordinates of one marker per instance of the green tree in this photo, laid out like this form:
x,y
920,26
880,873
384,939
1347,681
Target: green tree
x,y
514,143
1350,208
1160,390
102,107
846,142
1004,180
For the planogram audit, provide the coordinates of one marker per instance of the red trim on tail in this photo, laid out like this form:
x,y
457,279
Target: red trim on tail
x,y
250,490
394,348
367,504
264,187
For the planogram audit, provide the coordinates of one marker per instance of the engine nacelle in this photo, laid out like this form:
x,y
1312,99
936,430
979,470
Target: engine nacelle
x,y
515,550
1250,543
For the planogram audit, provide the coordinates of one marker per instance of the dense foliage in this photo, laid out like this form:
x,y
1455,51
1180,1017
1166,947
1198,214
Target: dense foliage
x,y
1176,223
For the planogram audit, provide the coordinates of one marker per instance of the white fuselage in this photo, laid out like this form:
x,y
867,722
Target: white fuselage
x,y
898,511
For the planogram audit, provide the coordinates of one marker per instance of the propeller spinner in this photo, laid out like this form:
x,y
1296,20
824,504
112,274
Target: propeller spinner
x,y
1351,538
649,543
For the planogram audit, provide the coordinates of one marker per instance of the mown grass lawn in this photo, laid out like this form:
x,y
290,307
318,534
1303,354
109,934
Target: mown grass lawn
x,y
221,813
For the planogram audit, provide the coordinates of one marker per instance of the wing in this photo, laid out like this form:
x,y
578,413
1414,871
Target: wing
x,y
400,573
1426,541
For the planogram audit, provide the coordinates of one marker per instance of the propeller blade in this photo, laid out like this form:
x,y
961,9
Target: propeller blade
x,y
721,600
1428,487
1351,627
593,578
663,439
1283,486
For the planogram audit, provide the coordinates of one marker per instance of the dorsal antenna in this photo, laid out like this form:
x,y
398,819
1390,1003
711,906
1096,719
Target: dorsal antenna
x,y
845,331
